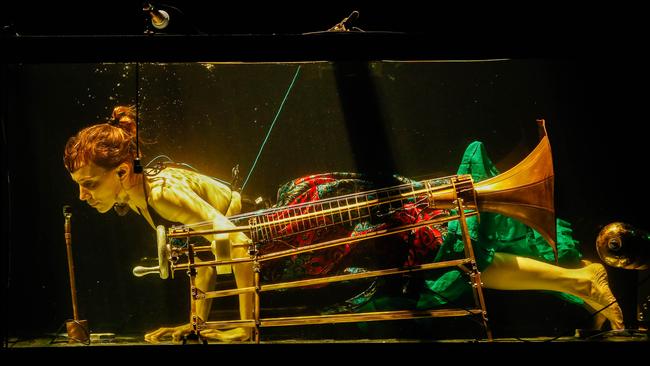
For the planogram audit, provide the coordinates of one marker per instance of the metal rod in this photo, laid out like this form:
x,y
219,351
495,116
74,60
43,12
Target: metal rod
x,y
256,301
371,316
229,292
185,234
354,276
183,231
68,246
343,318
347,277
324,245
475,275
193,292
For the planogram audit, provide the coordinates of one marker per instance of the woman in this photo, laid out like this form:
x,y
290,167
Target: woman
x,y
100,160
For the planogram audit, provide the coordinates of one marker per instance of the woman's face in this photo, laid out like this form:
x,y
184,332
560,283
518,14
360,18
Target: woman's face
x,y
99,187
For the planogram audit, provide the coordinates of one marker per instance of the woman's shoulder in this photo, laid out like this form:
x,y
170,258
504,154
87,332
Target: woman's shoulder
x,y
174,173
172,178
178,178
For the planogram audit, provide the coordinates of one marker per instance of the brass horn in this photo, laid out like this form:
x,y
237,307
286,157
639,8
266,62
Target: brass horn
x,y
622,245
524,192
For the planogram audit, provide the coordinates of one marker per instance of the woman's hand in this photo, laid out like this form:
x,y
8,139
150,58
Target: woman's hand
x,y
230,335
163,332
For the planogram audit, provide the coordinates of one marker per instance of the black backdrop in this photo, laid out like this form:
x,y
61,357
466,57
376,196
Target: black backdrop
x,y
595,115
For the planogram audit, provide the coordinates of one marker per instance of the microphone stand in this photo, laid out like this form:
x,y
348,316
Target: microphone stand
x,y
77,329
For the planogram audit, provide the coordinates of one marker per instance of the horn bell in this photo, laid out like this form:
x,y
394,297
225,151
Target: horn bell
x,y
525,192
622,245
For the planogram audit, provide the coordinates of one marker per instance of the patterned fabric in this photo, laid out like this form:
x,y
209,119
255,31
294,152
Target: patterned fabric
x,y
415,247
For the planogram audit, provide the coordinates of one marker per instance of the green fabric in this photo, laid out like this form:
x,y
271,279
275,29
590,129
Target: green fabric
x,y
494,233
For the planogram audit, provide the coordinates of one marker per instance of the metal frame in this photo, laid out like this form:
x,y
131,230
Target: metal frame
x,y
524,193
468,265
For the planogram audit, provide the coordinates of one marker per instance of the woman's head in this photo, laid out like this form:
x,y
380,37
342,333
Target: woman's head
x,y
100,159
106,145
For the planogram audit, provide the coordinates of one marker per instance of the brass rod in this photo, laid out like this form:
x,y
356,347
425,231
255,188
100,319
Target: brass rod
x,y
347,277
354,276
185,266
256,301
469,251
475,275
208,248
186,234
465,269
229,292
180,232
382,315
193,291
225,324
204,248
325,245
73,286
343,318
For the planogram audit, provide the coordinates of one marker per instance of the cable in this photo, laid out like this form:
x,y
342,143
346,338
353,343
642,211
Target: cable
x,y
622,332
271,128
137,167
591,315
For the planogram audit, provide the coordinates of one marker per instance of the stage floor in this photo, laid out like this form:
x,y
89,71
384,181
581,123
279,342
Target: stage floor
x,y
108,340
508,351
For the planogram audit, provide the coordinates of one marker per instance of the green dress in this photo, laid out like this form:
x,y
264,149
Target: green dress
x,y
495,233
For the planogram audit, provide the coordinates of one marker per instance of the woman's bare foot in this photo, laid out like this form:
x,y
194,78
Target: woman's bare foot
x,y
177,333
230,335
600,296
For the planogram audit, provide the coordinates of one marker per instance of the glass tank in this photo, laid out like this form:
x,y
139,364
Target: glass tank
x,y
364,175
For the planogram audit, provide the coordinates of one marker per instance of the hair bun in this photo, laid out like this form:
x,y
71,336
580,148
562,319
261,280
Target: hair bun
x,y
124,117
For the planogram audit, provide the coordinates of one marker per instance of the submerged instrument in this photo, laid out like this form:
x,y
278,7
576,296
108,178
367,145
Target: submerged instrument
x,y
624,246
525,193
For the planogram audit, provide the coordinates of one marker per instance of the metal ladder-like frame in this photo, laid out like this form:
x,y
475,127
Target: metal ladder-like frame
x,y
468,265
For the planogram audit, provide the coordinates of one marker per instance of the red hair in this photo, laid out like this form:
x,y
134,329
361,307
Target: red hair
x,y
105,144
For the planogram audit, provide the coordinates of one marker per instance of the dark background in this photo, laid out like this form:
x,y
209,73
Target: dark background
x,y
443,20
577,68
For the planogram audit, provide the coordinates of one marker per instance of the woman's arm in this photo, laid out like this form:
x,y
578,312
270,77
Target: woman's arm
x,y
174,200
181,204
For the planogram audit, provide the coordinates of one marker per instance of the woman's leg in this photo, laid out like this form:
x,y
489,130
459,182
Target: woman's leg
x,y
510,272
243,278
